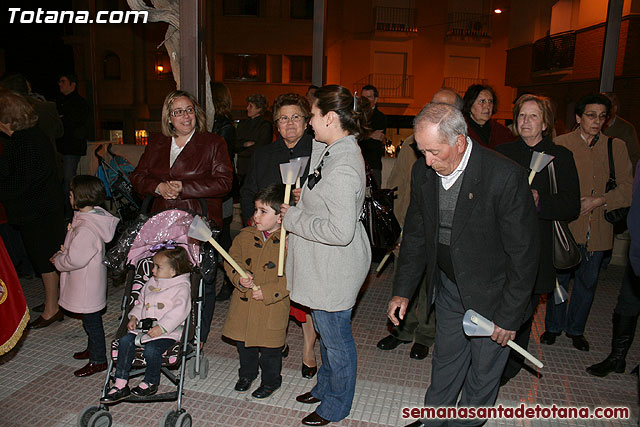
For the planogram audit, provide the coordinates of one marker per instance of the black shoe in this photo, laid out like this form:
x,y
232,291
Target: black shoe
x,y
307,398
142,392
579,342
416,424
90,369
264,391
308,372
243,384
41,322
549,337
419,351
285,350
225,292
390,342
313,419
116,395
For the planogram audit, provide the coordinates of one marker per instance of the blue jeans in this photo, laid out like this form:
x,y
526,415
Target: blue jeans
x,y
152,354
337,375
571,316
92,323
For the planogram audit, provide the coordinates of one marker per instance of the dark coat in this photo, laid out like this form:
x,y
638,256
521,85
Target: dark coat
x,y
633,221
74,113
494,240
29,189
563,206
203,166
224,127
258,130
499,134
265,169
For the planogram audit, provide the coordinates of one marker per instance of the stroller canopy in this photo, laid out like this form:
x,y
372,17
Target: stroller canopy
x,y
169,225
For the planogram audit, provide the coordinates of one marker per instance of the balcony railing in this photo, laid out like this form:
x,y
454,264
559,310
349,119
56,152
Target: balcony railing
x,y
461,84
399,19
554,52
468,25
388,85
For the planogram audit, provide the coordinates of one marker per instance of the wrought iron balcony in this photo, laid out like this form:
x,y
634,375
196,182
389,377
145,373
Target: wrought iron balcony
x,y
398,19
388,85
463,25
461,84
553,53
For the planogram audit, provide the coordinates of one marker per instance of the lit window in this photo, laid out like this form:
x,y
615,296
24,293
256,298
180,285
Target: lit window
x,y
244,67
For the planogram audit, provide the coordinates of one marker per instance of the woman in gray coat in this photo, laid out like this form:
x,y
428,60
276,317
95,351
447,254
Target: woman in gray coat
x,y
329,252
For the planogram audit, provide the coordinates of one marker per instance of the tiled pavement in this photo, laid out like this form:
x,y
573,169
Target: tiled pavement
x,y
37,387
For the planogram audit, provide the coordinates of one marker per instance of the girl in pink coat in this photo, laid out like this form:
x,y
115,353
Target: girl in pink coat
x,y
83,277
166,298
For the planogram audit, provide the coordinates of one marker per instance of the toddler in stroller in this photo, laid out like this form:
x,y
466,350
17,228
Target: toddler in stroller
x,y
162,309
160,247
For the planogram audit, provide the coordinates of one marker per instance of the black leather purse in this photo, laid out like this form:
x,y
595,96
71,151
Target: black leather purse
x,y
617,217
566,253
377,215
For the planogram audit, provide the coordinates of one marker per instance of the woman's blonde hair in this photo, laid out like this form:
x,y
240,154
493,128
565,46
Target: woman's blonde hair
x,y
16,112
167,126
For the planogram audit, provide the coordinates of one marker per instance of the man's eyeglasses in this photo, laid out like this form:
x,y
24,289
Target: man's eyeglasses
x,y
595,116
296,118
181,112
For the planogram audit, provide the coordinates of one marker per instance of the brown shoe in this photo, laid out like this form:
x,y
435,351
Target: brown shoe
x,y
90,369
307,398
81,355
313,419
41,322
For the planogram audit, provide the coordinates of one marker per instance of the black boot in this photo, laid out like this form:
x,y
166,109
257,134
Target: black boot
x,y
624,328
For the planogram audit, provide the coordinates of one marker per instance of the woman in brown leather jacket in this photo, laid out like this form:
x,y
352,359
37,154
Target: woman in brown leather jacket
x,y
184,164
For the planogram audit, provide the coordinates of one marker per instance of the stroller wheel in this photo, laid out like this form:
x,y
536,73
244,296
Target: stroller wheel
x,y
204,368
85,415
169,419
191,368
102,418
184,420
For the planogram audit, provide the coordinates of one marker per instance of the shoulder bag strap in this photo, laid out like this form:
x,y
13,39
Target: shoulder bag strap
x,y
552,178
612,167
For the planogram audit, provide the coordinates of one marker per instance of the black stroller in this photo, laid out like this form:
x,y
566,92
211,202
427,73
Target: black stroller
x,y
167,226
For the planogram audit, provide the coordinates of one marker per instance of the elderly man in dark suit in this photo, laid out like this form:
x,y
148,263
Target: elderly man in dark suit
x,y
471,227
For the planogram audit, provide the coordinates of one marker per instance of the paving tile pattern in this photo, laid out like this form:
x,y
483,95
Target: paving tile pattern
x,y
37,386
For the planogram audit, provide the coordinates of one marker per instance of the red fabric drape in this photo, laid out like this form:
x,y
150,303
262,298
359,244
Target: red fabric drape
x,y
14,314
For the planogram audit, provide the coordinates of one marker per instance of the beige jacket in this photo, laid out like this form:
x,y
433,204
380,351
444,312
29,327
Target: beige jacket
x,y
593,171
257,323
401,177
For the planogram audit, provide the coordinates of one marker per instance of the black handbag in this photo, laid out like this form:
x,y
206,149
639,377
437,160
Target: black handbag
x,y
377,215
566,253
617,217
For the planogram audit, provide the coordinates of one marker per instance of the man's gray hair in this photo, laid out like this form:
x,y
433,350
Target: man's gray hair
x,y
448,118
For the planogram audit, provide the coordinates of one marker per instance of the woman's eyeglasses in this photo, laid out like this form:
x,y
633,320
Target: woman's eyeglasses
x,y
296,118
179,112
